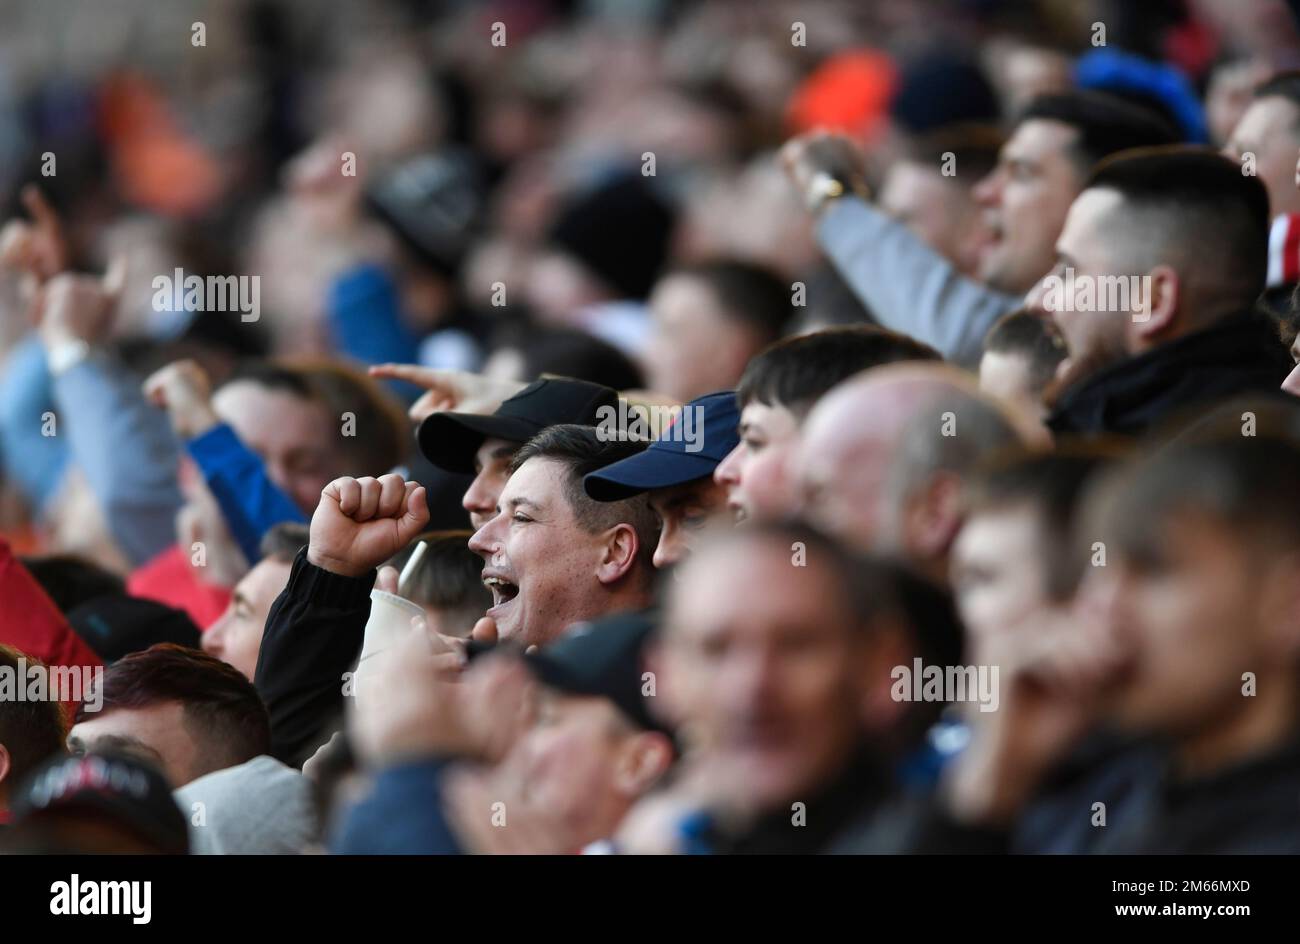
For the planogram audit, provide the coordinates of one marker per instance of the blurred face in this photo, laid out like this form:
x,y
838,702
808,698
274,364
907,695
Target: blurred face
x,y
157,734
1025,201
576,763
491,469
1170,605
685,512
694,347
754,474
236,637
542,567
1008,377
297,440
1268,130
938,210
843,481
1089,247
997,570
762,661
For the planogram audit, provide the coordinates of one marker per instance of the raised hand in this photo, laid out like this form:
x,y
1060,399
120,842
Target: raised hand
x,y
360,523
449,389
182,389
77,307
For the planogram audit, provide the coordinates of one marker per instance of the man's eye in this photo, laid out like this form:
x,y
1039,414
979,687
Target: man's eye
x,y
753,445
521,518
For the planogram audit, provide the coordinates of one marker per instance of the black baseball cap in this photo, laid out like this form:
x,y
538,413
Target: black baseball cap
x,y
690,448
603,658
449,440
117,786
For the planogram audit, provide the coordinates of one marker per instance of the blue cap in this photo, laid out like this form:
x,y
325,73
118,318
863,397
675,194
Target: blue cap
x,y
689,448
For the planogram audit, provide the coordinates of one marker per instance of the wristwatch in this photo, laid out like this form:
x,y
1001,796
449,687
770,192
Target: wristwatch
x,y
65,354
822,189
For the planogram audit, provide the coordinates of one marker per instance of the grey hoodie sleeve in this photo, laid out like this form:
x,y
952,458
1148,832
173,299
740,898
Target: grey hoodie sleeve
x,y
126,450
906,285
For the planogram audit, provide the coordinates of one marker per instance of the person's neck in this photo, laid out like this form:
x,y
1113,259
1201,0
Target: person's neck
x,y
1268,720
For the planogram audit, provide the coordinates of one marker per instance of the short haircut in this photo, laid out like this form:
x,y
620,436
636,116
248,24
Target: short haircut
x,y
974,149
750,294
1053,484
71,580
283,541
1282,85
223,711
1200,202
449,579
1105,124
1027,335
31,730
584,449
1249,484
794,373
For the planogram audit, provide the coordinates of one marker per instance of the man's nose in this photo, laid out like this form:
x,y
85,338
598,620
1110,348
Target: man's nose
x,y
725,473
483,541
477,497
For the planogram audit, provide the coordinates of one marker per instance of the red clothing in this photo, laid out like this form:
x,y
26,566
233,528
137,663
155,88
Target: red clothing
x,y
170,579
32,624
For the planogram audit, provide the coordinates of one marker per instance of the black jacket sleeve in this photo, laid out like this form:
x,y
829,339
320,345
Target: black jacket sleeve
x,y
313,635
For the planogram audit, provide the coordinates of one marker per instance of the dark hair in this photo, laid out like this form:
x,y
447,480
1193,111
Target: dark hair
x,y
750,294
584,449
1105,124
449,577
1282,85
31,730
1023,333
1053,484
283,541
71,580
222,708
1202,198
568,352
1251,484
974,149
796,372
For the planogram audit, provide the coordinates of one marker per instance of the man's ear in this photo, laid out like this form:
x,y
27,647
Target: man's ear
x,y
646,756
933,516
6,765
1155,309
618,553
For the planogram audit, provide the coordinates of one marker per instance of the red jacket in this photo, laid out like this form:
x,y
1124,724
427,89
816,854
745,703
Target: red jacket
x,y
31,623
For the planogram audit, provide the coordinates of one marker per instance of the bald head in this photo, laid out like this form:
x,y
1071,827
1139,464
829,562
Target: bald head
x,y
883,456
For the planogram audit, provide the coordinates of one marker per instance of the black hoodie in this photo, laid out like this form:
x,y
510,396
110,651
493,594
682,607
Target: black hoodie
x,y
1238,356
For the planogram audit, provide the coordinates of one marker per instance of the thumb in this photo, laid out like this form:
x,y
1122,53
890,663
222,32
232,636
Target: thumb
x,y
485,631
416,514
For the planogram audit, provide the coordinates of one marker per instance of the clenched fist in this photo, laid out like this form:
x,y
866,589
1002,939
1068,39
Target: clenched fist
x,y
182,389
360,523
819,155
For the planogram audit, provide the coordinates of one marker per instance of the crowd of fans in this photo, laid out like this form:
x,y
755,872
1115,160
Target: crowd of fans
x,y
725,427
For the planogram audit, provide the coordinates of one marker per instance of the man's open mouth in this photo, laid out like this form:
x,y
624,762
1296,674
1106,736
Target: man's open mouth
x,y
502,590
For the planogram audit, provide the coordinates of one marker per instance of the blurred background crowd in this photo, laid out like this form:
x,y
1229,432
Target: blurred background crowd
x,y
444,202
